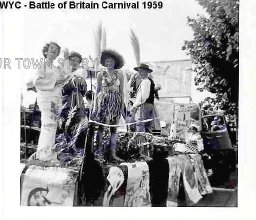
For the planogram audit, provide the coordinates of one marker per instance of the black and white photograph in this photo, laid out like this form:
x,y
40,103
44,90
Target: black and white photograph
x,y
125,104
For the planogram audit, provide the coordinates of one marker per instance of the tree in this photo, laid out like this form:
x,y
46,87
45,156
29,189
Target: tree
x,y
215,52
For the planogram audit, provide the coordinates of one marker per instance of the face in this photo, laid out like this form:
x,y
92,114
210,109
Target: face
x,y
142,73
53,52
74,62
110,63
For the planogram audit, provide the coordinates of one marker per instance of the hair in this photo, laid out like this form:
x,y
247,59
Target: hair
x,y
114,58
119,61
46,47
75,54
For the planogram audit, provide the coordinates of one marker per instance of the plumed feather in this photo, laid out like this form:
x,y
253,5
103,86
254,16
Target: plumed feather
x,y
103,40
136,46
97,40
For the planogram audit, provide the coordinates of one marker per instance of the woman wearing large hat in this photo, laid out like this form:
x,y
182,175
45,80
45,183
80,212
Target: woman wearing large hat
x,y
109,97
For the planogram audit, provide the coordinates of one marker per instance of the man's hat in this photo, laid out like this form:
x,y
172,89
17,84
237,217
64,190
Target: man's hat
x,y
143,66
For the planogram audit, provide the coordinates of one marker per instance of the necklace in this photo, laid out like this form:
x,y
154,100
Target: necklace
x,y
114,77
112,80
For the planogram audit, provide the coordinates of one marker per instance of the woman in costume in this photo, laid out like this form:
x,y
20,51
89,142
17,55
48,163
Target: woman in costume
x,y
48,82
74,90
194,141
73,121
109,98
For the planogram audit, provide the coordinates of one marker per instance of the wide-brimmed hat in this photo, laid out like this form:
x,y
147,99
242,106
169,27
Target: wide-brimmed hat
x,y
119,60
143,66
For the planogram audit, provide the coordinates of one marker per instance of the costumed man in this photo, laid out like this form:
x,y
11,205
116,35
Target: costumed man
x,y
133,85
144,102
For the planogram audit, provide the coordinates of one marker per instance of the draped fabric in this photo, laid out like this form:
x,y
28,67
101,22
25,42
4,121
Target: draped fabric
x,y
115,178
48,186
190,170
204,186
190,183
113,194
137,190
118,198
176,167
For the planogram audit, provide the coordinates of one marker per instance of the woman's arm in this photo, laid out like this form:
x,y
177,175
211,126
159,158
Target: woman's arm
x,y
121,78
98,89
99,83
65,64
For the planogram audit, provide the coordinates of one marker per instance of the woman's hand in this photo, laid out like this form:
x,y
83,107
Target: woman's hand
x,y
134,109
66,53
105,74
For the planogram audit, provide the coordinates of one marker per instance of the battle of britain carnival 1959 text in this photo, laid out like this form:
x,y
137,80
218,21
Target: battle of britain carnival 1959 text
x,y
117,5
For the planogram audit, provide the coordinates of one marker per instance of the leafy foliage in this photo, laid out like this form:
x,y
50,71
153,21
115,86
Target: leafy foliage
x,y
215,51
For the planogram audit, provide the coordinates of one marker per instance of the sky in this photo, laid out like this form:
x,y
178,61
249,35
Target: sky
x,y
161,33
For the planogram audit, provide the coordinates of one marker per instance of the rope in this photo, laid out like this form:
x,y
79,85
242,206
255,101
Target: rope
x,y
127,124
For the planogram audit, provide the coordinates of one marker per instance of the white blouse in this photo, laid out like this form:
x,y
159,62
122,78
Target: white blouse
x,y
45,81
